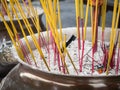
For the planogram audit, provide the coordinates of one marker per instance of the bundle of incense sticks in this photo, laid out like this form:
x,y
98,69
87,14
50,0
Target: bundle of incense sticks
x,y
52,8
77,5
59,42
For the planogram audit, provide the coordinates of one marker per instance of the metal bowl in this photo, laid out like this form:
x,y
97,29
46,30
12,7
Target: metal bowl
x,y
26,77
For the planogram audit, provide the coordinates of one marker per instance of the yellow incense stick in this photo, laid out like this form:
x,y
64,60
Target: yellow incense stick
x,y
64,49
60,23
81,9
91,14
95,22
66,52
77,6
71,61
117,18
55,7
64,45
86,18
103,12
51,7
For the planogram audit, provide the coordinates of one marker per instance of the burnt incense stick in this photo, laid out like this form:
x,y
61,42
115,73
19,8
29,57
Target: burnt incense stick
x,y
72,38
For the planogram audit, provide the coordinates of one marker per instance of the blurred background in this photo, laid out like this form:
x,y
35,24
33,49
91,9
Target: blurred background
x,y
68,12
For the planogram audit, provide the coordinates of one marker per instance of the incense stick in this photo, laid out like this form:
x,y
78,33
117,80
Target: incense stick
x,y
77,5
112,36
103,12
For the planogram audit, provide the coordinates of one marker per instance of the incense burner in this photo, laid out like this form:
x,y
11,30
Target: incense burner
x,y
25,76
3,30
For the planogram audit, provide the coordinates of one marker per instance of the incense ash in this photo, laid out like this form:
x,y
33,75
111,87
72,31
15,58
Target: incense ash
x,y
53,60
